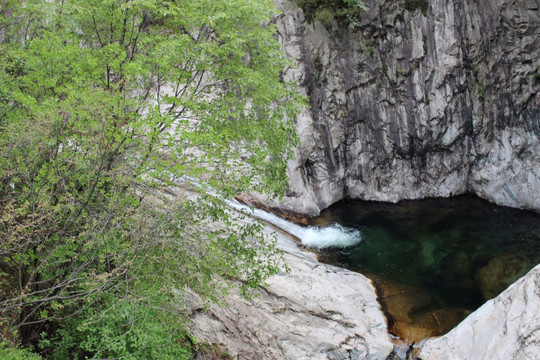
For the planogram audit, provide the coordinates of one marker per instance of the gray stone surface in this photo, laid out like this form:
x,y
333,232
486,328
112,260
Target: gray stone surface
x,y
316,311
507,327
410,105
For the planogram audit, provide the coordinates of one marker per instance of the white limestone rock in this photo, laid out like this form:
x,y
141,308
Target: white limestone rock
x,y
507,327
316,311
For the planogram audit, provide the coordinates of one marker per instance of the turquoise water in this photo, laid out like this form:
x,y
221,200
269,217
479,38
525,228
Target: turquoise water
x,y
462,250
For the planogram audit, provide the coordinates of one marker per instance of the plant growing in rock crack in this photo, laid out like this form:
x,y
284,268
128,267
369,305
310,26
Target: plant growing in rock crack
x,y
325,10
370,50
413,5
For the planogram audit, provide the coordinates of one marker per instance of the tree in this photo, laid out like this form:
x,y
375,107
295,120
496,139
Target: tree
x,y
105,104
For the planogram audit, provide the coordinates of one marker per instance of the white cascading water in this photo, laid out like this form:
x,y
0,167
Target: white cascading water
x,y
335,236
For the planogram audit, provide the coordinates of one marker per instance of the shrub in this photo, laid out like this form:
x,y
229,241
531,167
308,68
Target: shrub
x,y
412,5
12,353
122,329
348,10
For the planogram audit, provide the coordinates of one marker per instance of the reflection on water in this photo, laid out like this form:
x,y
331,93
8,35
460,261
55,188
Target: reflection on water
x,y
461,251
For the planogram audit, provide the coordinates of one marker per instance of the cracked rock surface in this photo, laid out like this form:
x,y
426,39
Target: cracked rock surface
x,y
316,311
412,105
507,327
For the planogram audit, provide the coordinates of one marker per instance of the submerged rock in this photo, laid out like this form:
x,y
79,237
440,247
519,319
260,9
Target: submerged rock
x,y
499,273
435,322
316,311
507,327
413,312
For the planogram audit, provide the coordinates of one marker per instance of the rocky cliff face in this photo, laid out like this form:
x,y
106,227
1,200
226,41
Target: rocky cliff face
x,y
416,104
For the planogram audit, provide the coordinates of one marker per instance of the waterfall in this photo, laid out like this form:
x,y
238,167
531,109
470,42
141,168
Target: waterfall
x,y
335,236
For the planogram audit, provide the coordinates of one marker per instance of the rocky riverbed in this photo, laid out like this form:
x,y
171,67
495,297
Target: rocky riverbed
x,y
318,311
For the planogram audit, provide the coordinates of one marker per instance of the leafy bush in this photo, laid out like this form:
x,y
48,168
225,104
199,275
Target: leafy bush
x,y
105,107
13,353
122,329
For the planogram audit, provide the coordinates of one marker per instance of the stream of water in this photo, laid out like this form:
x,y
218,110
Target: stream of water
x,y
462,250
433,260
317,237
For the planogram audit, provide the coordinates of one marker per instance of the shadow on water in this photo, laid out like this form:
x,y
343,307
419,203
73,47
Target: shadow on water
x,y
435,260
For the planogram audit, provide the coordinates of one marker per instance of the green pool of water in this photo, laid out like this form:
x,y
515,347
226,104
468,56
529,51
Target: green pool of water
x,y
462,250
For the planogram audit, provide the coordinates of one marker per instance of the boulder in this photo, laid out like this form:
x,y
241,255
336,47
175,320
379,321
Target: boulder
x,y
506,327
499,273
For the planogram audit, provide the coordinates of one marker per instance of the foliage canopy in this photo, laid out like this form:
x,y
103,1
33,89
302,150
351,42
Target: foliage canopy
x,y
105,104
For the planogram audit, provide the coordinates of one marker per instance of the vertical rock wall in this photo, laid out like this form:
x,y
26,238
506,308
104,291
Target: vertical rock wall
x,y
416,104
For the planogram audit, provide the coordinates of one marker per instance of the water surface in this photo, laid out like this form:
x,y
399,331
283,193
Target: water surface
x,y
461,250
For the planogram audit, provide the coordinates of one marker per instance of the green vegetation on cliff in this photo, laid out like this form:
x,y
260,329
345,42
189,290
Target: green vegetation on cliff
x,y
325,10
413,5
103,104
